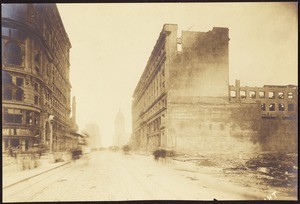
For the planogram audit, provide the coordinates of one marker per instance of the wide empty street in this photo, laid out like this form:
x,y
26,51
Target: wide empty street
x,y
107,176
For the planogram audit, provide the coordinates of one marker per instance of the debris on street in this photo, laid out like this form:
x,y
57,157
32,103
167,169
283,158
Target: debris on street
x,y
281,167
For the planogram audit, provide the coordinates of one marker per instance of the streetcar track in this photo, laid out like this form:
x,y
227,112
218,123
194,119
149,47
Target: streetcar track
x,y
47,186
41,179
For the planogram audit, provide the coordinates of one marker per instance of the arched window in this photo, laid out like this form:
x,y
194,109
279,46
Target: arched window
x,y
13,53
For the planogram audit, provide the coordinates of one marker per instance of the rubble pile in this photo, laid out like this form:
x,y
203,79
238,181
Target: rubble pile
x,y
280,167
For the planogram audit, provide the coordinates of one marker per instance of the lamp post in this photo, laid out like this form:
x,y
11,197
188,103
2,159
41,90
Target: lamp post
x,y
51,118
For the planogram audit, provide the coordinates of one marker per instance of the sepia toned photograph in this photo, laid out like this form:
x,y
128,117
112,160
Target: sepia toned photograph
x,y
149,101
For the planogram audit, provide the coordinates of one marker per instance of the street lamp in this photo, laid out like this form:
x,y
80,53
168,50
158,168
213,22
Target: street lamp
x,y
51,119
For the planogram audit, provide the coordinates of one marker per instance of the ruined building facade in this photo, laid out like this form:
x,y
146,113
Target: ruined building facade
x,y
182,102
35,78
279,113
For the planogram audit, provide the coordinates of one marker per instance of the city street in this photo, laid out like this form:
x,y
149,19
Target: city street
x,y
106,176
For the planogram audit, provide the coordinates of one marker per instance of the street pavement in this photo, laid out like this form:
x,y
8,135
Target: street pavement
x,y
113,176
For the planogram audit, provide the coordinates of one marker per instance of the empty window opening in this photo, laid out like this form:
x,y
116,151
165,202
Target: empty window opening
x,y
252,94
280,95
291,107
290,95
261,94
272,107
233,94
271,95
243,94
281,107
263,107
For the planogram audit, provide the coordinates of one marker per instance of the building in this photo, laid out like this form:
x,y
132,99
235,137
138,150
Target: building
x,y
279,113
276,101
74,126
120,138
93,132
182,100
35,78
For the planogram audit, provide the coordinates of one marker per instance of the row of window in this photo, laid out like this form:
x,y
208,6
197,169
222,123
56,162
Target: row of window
x,y
281,107
19,116
261,94
155,124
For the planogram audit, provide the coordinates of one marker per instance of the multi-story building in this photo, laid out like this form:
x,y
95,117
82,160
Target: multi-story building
x,y
35,78
182,101
94,137
182,70
276,101
119,138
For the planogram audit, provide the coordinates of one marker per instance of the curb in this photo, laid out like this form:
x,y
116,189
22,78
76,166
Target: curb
x,y
25,179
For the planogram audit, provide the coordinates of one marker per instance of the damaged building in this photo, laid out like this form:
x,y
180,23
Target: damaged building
x,y
182,100
35,78
279,113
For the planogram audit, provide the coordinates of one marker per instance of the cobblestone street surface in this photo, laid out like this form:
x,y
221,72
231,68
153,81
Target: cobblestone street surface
x,y
112,176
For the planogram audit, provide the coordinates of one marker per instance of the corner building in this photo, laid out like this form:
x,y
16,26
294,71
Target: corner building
x,y
181,100
35,78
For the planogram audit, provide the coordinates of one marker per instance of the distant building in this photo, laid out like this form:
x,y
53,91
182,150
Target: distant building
x,y
35,78
74,126
92,130
120,137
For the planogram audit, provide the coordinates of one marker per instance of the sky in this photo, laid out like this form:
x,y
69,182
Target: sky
x,y
111,44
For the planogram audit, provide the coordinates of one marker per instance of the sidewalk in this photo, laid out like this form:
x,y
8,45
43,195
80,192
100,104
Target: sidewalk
x,y
13,174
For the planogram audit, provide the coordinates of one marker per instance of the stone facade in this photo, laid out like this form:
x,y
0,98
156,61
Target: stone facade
x,y
35,78
182,102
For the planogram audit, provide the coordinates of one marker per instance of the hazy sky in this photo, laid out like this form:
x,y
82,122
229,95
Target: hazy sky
x,y
111,44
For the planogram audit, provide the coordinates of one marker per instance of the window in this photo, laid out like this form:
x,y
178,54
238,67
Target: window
x,y
28,117
36,118
13,116
37,69
243,94
261,94
36,100
20,81
37,58
280,95
7,94
19,95
36,86
13,53
6,78
272,107
233,94
263,107
290,95
291,107
271,95
281,107
252,94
